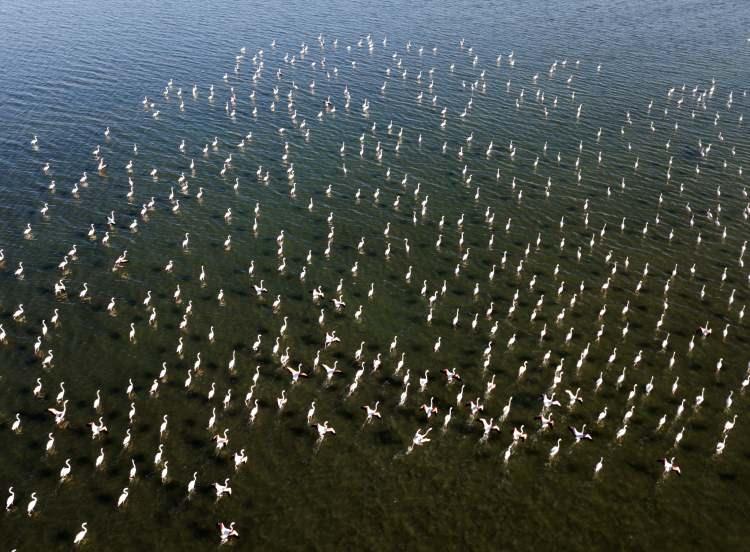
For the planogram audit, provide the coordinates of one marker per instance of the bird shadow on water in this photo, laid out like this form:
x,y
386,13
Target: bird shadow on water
x,y
62,536
199,532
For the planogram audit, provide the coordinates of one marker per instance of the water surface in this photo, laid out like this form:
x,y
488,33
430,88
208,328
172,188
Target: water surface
x,y
71,70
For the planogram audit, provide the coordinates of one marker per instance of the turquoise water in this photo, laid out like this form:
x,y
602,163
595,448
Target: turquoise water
x,y
70,71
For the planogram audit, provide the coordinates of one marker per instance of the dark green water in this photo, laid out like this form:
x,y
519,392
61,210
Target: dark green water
x,y
70,71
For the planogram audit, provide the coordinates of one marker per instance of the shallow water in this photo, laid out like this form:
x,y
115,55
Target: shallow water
x,y
70,71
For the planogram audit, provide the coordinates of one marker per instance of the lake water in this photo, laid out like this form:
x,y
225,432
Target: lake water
x,y
71,69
